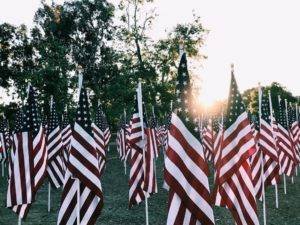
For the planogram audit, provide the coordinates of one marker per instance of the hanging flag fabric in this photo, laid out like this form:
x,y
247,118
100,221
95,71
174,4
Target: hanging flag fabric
x,y
137,145
55,168
284,142
66,134
233,180
33,135
4,140
102,135
149,183
267,144
186,170
82,189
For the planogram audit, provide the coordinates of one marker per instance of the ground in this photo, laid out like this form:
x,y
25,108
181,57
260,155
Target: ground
x,y
116,212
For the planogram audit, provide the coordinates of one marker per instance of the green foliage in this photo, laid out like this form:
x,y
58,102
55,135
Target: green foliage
x,y
250,97
110,43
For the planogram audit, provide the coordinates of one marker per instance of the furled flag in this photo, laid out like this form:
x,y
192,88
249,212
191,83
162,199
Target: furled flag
x,y
294,131
66,134
284,141
153,135
149,184
82,197
29,156
137,145
102,135
4,140
122,145
55,168
267,144
208,139
233,180
217,126
186,170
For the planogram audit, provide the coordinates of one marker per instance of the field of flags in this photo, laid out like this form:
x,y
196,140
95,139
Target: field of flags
x,y
220,169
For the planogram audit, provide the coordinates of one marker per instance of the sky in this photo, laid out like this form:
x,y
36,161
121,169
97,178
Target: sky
x,y
261,38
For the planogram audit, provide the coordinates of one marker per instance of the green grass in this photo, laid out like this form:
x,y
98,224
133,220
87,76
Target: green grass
x,y
115,211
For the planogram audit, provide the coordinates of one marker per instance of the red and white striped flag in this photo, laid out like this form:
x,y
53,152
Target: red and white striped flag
x,y
102,135
267,144
137,145
66,134
55,167
34,135
82,197
284,142
256,163
208,140
233,181
4,140
294,131
149,184
186,170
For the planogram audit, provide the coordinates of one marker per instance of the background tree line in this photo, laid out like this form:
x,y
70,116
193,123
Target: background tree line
x,y
113,46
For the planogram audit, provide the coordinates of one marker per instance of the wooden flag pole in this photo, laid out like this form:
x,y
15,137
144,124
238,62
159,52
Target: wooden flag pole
x,y
272,118
140,108
125,164
262,158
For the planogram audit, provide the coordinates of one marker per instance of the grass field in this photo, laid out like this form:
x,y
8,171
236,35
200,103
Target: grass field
x,y
115,211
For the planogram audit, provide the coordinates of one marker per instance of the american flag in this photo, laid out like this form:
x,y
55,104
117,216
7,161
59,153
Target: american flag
x,y
255,159
149,184
122,145
66,134
233,181
33,151
55,168
162,137
267,144
294,131
82,197
186,170
102,135
4,140
208,139
217,126
284,141
154,135
137,145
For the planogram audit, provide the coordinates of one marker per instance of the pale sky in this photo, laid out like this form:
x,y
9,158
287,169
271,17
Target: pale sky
x,y
261,37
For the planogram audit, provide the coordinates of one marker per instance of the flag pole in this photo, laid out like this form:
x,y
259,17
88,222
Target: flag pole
x,y
19,220
125,165
262,158
49,185
80,80
272,118
2,164
284,178
140,108
287,122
